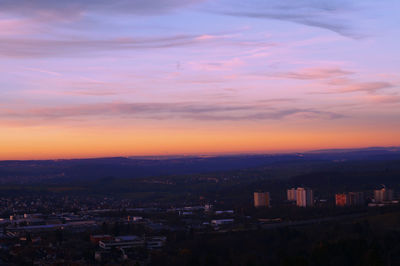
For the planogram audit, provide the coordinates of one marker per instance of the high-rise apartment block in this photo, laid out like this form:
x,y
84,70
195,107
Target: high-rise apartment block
x,y
261,199
291,194
341,200
304,197
356,198
382,195
349,199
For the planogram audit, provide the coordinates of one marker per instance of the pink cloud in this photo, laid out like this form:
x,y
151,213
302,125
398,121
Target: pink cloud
x,y
369,87
384,99
216,111
207,37
44,71
315,73
217,65
14,26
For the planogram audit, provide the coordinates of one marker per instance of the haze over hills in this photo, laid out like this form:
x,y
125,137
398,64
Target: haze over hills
x,y
32,171
372,149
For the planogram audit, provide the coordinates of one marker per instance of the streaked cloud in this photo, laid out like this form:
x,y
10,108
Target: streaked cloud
x,y
384,99
314,73
44,71
334,15
369,87
52,8
84,46
341,80
263,110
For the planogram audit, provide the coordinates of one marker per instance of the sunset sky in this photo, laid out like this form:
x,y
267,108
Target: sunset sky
x,y
94,78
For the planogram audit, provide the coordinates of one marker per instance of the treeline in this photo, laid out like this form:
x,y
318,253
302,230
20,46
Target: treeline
x,y
371,241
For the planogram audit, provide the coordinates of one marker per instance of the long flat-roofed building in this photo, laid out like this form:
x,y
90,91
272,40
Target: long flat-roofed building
x,y
127,242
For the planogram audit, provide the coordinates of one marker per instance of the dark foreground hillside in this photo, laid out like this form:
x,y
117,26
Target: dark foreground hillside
x,y
369,241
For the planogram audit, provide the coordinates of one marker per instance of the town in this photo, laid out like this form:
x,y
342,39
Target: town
x,y
89,230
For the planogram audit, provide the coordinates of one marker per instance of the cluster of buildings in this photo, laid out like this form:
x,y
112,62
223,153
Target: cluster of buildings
x,y
349,199
383,195
380,197
304,197
121,229
55,237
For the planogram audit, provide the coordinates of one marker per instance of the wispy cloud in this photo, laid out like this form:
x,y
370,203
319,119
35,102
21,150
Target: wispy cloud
x,y
340,79
83,46
50,8
217,65
369,87
44,71
333,15
314,73
347,85
384,99
263,110
329,15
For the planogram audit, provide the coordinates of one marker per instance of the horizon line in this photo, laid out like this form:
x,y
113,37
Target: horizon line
x,y
211,154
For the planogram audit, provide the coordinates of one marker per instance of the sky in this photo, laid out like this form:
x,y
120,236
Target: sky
x,y
97,78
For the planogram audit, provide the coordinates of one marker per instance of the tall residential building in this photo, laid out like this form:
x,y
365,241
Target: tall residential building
x,y
384,194
261,199
304,197
291,194
349,199
341,200
356,198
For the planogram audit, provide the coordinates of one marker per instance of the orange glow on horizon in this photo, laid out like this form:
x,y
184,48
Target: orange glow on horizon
x,y
253,78
53,143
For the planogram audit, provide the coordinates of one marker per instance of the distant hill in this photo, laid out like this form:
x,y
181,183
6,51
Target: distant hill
x,y
369,149
134,167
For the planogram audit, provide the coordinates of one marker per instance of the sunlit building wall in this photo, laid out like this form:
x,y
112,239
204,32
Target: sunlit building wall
x,y
291,194
305,197
384,194
341,200
261,199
